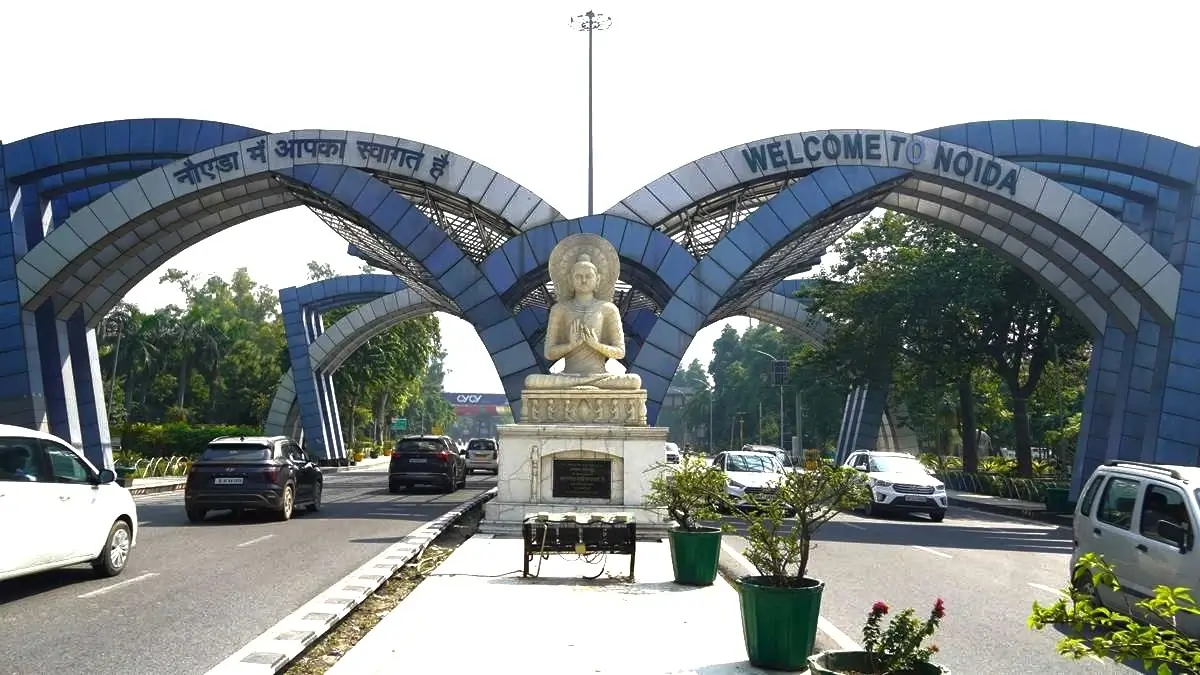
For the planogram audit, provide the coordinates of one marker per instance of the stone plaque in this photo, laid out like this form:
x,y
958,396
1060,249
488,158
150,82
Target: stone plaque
x,y
583,478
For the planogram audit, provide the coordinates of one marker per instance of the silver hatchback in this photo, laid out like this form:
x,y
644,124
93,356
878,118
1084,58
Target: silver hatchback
x,y
483,455
1141,518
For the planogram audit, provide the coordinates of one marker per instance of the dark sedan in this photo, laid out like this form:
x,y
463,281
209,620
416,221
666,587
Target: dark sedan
x,y
426,460
252,472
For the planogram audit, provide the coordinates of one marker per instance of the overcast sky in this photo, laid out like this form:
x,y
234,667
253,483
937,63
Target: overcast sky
x,y
504,83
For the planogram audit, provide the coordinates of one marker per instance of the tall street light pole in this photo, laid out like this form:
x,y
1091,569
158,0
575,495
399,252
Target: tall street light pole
x,y
590,22
711,390
781,435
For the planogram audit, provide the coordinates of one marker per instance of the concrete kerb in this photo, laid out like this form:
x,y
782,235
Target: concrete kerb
x,y
278,646
1035,517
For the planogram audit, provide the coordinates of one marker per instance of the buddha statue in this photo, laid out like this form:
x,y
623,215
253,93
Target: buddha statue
x,y
584,328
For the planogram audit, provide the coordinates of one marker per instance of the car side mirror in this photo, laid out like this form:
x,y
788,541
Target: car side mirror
x,y
106,476
1174,534
861,468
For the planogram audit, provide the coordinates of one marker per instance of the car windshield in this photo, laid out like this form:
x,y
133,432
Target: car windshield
x,y
481,445
752,463
419,446
241,453
896,465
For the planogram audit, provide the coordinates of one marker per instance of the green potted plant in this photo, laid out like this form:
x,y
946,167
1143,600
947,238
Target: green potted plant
x,y
690,492
896,650
1152,640
781,605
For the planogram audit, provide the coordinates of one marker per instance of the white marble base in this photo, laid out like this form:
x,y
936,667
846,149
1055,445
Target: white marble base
x,y
525,484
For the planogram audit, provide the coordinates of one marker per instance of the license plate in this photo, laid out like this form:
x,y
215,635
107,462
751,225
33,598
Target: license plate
x,y
482,456
915,499
416,460
228,481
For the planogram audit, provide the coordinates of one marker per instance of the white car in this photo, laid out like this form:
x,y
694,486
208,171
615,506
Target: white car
x,y
58,510
900,482
749,475
673,455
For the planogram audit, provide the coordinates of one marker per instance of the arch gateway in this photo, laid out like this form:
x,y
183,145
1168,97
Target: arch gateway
x,y
1105,218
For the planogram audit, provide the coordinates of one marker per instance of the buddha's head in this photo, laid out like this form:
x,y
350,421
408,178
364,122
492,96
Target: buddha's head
x,y
584,275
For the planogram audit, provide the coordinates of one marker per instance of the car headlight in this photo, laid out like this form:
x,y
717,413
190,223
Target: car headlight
x,y
875,482
734,484
940,487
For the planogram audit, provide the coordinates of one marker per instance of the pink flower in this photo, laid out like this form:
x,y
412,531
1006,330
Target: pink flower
x,y
880,607
939,608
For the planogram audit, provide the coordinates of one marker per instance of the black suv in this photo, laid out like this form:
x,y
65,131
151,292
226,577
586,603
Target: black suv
x,y
252,472
426,460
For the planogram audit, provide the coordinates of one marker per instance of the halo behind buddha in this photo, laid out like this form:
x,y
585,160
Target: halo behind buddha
x,y
599,251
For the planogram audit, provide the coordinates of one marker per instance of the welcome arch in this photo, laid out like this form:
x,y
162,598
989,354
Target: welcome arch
x,y
75,262
979,179
1105,216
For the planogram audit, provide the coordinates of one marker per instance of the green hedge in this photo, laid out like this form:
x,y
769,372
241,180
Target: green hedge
x,y
169,440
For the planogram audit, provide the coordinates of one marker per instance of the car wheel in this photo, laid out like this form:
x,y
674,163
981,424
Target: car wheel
x,y
463,482
937,516
115,555
316,502
1087,587
286,503
451,484
395,489
871,510
196,515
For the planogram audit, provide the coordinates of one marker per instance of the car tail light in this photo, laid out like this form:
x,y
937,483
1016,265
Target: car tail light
x,y
444,455
271,475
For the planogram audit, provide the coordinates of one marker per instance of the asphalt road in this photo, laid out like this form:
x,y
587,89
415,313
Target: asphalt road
x,y
988,569
194,594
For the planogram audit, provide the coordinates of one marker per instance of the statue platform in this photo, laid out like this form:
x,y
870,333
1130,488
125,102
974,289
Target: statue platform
x,y
584,406
576,468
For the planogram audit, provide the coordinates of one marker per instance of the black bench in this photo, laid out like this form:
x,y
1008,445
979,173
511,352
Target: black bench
x,y
543,537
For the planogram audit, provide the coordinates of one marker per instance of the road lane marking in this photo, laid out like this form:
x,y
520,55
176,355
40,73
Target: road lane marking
x,y
252,542
119,584
929,550
824,625
855,526
1048,589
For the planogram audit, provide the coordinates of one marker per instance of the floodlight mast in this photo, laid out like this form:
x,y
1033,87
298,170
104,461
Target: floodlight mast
x,y
590,22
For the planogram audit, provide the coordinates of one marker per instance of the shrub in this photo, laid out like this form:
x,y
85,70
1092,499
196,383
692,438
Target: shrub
x,y
168,440
1093,630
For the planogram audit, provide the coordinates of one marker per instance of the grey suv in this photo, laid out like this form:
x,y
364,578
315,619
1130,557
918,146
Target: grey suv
x,y
272,473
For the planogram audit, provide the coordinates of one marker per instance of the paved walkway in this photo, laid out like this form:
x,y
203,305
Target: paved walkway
x,y
476,614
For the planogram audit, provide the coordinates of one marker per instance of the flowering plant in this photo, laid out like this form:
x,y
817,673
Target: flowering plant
x,y
898,648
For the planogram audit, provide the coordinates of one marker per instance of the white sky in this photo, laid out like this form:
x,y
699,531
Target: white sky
x,y
504,83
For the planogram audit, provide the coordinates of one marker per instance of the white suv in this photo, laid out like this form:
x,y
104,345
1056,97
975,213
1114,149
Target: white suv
x,y
59,510
1142,519
900,482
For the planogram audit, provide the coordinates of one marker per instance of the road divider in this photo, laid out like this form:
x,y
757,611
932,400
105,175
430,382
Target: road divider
x,y
278,646
120,584
932,551
254,541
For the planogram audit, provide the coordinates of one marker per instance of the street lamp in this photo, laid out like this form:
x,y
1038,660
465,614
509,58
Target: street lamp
x,y
590,22
781,436
711,391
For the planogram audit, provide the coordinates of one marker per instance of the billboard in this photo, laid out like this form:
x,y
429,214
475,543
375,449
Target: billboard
x,y
467,404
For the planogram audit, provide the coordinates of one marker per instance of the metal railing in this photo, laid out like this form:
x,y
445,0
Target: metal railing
x,y
999,485
158,467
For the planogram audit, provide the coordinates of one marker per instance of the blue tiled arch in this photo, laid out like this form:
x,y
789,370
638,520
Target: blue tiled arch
x,y
302,308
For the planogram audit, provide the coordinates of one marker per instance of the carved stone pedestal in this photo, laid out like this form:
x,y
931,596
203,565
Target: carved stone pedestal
x,y
584,406
584,469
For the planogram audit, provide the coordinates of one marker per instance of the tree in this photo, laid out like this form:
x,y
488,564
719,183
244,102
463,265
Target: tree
x,y
913,301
